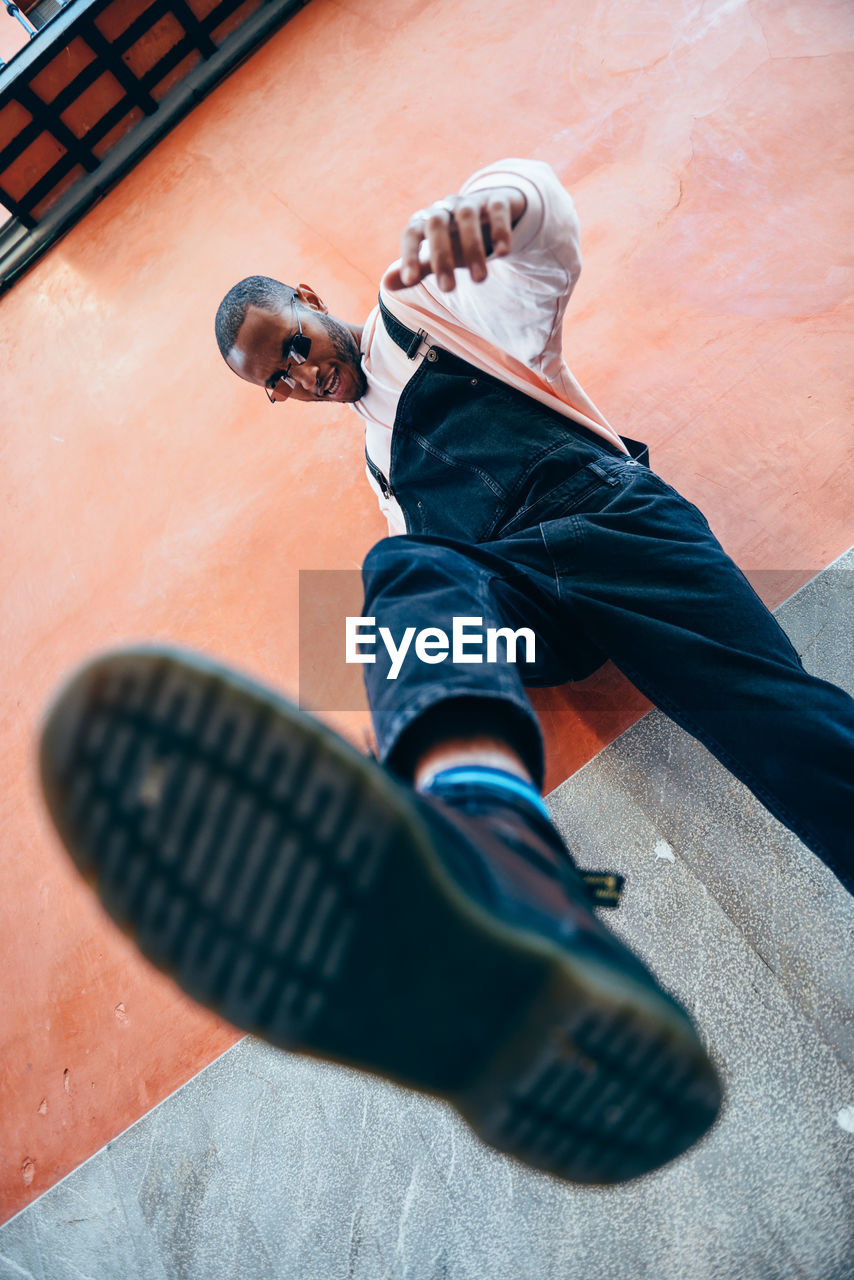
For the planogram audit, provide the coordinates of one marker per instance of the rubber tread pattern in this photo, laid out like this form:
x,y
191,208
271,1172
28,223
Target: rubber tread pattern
x,y
242,857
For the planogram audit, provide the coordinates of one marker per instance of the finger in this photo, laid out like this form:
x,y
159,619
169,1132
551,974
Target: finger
x,y
437,231
500,224
393,280
410,243
471,252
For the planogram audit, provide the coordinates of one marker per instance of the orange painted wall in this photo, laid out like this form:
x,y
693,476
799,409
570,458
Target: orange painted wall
x,y
147,493
13,37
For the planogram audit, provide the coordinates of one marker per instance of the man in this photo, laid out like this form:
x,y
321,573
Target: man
x,y
423,919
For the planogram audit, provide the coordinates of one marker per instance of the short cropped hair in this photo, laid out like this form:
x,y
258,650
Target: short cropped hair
x,y
255,291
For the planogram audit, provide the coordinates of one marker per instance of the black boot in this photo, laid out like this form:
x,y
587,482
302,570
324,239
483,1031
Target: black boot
x,y
298,889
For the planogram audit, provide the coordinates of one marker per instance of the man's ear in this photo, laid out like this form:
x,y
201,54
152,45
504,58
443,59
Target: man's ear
x,y
306,294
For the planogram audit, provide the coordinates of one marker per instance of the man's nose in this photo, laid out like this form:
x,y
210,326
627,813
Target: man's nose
x,y
305,375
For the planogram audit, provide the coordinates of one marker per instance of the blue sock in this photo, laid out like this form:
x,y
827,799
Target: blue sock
x,y
464,778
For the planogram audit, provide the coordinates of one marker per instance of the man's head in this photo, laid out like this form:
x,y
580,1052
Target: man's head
x,y
256,324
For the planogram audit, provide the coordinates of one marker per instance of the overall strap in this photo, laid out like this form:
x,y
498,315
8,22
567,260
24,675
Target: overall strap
x,y
409,342
407,339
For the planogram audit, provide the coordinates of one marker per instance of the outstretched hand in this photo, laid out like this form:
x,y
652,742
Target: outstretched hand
x,y
460,232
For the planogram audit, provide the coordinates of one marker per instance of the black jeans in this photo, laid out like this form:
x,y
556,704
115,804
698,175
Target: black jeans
x,y
601,559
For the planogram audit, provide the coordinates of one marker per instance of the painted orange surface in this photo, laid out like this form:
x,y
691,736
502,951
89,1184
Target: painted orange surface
x,y
13,36
148,493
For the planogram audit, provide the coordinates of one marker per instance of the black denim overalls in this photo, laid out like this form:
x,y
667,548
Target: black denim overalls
x,y
522,518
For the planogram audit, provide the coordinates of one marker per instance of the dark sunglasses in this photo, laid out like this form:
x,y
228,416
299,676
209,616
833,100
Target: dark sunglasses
x,y
298,350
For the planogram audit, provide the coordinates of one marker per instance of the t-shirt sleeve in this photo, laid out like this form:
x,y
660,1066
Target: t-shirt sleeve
x,y
521,304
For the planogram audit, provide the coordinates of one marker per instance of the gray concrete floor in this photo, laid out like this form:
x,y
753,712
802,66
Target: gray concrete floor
x,y
267,1165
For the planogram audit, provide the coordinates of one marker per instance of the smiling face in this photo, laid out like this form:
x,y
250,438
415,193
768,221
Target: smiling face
x,y
332,369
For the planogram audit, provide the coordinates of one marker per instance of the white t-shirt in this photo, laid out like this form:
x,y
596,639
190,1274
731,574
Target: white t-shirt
x,y
509,325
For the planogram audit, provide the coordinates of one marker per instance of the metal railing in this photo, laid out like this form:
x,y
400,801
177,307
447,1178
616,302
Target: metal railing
x,y
57,159
34,19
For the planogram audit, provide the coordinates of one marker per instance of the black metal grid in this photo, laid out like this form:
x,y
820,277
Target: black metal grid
x,y
79,20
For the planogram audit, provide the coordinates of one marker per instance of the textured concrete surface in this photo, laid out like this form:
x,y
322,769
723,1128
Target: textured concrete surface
x,y
267,1165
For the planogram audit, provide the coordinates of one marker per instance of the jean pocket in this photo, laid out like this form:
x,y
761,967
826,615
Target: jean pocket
x,y
561,500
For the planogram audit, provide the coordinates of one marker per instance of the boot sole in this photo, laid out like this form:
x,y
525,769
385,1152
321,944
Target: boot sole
x,y
291,885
